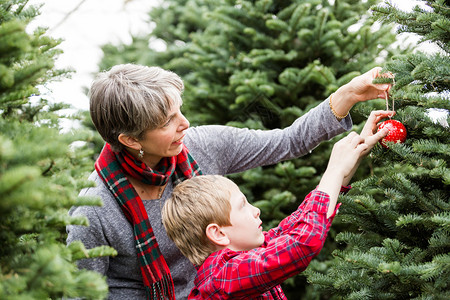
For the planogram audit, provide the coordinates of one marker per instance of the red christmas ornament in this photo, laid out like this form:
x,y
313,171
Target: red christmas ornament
x,y
397,132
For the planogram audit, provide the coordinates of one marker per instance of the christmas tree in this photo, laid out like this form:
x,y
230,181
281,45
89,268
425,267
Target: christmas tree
x,y
262,64
397,244
40,171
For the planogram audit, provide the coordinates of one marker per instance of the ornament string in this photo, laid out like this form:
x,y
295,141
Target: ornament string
x,y
386,96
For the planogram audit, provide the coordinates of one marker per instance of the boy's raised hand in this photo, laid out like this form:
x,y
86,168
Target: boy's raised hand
x,y
370,136
369,132
344,160
345,155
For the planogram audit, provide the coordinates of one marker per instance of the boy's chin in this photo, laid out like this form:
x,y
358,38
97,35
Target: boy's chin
x,y
262,241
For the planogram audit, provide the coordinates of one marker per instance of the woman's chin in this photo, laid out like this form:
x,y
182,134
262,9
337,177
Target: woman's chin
x,y
174,150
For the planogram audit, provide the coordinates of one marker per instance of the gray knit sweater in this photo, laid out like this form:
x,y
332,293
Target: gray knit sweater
x,y
217,150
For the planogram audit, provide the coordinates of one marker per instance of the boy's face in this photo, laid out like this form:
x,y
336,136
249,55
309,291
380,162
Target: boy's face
x,y
245,232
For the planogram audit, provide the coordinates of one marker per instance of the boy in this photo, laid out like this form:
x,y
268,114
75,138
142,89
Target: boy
x,y
214,226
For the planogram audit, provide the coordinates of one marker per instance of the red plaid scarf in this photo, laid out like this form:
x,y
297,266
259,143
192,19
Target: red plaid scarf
x,y
113,168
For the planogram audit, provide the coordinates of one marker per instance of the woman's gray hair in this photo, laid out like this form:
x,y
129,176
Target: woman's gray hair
x,y
131,99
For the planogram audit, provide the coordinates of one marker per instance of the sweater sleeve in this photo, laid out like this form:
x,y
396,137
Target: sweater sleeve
x,y
238,149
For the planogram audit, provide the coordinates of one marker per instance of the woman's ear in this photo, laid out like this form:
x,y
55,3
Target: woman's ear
x,y
129,142
216,235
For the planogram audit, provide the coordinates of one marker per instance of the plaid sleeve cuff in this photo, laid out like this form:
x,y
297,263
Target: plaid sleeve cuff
x,y
319,201
345,189
336,210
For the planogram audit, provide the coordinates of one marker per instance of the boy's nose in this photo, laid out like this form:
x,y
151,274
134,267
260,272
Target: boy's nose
x,y
257,212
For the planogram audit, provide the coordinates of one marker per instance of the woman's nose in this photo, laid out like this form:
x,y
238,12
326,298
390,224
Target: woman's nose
x,y
184,123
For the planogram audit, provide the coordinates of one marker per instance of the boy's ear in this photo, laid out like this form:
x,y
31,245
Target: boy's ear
x,y
216,235
129,142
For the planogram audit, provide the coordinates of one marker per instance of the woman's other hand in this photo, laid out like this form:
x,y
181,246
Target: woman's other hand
x,y
359,89
362,87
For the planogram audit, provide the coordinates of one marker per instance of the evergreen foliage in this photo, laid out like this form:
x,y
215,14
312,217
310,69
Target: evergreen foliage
x,y
261,64
40,171
400,248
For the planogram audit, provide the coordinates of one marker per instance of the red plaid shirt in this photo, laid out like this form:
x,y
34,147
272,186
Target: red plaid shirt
x,y
258,273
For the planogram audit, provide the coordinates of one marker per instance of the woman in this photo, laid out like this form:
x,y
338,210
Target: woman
x,y
150,148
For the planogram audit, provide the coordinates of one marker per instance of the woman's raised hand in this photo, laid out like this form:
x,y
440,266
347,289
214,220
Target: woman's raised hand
x,y
363,88
359,89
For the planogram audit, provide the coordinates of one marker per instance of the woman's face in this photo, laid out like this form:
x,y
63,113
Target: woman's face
x,y
166,140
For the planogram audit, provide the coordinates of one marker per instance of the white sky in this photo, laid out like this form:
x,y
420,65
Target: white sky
x,y
92,24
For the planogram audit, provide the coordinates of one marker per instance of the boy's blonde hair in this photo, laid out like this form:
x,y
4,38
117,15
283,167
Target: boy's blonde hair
x,y
194,204
132,99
